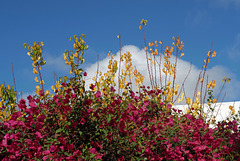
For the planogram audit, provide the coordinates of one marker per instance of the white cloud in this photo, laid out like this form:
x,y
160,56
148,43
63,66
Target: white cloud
x,y
215,73
198,18
57,64
227,3
234,51
139,61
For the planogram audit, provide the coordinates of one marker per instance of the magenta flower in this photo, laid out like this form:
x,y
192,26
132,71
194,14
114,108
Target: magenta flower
x,y
98,94
82,121
93,151
52,148
46,152
92,86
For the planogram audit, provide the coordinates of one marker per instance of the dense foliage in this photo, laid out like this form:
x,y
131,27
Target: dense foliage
x,y
112,121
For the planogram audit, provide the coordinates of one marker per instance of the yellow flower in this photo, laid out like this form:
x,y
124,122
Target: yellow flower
x,y
214,100
213,83
169,82
47,92
42,82
35,71
182,54
230,107
36,79
214,54
209,84
38,89
188,100
181,99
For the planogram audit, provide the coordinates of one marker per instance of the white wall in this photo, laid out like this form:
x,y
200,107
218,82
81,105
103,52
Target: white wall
x,y
221,112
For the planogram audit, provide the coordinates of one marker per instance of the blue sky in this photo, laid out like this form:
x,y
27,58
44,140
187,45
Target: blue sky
x,y
199,23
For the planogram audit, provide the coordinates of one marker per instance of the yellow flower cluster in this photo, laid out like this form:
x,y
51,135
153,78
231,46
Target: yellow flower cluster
x,y
232,109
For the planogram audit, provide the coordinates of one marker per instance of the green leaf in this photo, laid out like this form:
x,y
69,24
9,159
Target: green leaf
x,y
58,130
25,45
109,117
65,78
80,132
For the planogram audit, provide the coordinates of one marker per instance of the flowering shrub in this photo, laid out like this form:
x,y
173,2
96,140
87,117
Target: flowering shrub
x,y
110,122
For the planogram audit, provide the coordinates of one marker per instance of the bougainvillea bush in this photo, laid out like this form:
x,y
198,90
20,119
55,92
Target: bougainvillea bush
x,y
111,121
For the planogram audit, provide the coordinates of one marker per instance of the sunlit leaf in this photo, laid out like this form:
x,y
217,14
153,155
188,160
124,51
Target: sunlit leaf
x,y
47,92
35,71
25,45
38,89
182,54
213,83
42,82
208,60
214,100
214,54
36,79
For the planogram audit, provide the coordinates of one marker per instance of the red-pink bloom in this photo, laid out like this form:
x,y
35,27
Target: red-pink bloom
x,y
99,156
92,86
38,134
85,74
169,106
118,101
176,139
41,93
121,159
133,137
22,104
45,158
109,136
98,94
41,118
4,142
112,89
90,110
72,147
93,151
62,148
82,121
52,148
88,102
46,152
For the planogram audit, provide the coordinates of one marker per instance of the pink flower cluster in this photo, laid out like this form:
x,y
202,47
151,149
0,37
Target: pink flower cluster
x,y
91,126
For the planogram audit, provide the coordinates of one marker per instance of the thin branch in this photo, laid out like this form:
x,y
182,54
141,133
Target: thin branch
x,y
14,83
147,56
119,70
182,87
97,70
